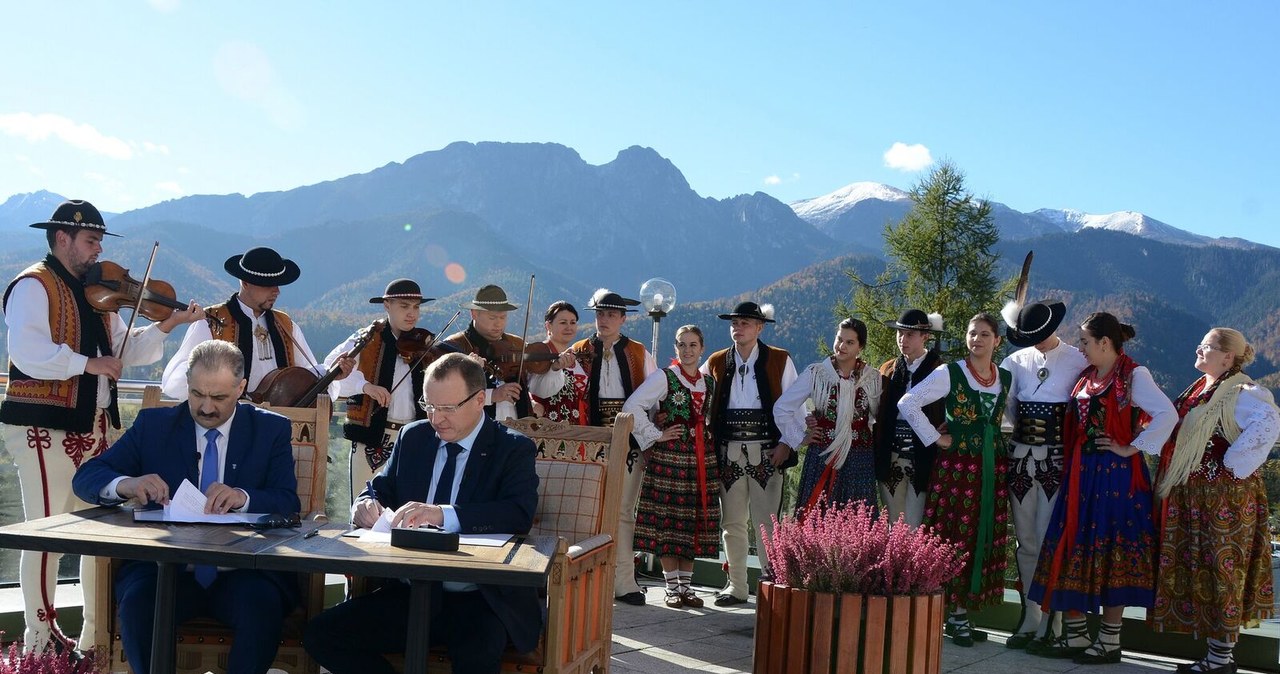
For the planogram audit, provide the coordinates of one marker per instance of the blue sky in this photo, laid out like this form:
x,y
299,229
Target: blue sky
x,y
1164,108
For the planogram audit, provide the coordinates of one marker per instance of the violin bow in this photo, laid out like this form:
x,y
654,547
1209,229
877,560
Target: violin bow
x,y
524,336
142,291
434,338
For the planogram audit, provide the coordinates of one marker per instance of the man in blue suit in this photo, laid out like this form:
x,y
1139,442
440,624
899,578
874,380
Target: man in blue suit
x,y
241,458
496,491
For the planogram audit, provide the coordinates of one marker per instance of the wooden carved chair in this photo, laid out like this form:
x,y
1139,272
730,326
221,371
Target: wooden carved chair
x,y
203,645
579,494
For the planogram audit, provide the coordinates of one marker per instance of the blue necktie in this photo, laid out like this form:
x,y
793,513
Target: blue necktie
x,y
205,573
444,486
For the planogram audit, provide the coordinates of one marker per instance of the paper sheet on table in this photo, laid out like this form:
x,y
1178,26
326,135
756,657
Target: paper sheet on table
x,y
187,505
380,532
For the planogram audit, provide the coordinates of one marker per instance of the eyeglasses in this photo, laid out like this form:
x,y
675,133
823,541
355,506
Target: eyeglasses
x,y
1206,348
276,521
445,409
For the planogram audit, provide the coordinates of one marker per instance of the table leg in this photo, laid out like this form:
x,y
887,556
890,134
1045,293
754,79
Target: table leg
x,y
418,645
164,641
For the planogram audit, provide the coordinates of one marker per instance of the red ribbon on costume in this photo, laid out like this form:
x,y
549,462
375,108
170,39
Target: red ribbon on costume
x,y
1117,410
820,490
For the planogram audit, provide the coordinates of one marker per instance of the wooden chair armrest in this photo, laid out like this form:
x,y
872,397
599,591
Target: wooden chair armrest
x,y
583,547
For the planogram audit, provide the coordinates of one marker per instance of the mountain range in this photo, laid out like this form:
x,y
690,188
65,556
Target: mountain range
x,y
471,214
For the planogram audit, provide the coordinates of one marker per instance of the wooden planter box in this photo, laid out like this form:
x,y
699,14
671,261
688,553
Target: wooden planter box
x,y
798,631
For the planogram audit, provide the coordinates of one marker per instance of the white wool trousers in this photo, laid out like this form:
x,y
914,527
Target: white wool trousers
x,y
47,459
747,497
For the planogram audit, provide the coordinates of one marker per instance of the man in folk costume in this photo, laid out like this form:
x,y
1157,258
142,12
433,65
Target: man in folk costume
x,y
903,463
382,389
1045,369
267,337
62,358
487,337
614,366
749,376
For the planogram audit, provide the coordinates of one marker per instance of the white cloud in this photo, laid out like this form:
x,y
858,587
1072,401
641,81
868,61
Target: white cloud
x,y
155,147
905,157
36,128
169,186
778,180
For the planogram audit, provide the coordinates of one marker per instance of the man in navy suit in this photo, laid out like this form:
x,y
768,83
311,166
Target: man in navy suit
x,y
241,458
496,491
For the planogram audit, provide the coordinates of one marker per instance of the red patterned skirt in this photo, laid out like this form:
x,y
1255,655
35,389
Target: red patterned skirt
x,y
955,495
671,520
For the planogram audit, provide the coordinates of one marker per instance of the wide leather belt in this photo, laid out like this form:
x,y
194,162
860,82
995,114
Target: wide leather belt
x,y
609,408
904,440
1039,423
393,426
740,425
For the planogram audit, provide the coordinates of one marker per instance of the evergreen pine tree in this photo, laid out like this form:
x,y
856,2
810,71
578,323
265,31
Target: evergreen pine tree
x,y
940,260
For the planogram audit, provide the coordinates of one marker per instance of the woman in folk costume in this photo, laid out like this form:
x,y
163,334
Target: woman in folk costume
x,y
1101,541
561,396
1215,542
967,495
678,518
840,462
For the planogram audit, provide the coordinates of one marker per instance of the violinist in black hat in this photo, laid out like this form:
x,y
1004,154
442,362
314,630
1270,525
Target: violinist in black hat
x,y
749,377
63,354
903,463
1045,370
267,337
383,388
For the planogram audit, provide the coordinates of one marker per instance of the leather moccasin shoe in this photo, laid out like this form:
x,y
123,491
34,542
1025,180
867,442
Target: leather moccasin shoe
x,y
726,599
691,600
633,598
1020,640
1091,657
674,600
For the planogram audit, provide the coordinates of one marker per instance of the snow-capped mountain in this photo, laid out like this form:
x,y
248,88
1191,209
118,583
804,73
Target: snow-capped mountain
x,y
829,207
858,212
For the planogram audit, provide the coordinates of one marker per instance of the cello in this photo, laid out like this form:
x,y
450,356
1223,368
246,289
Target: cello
x,y
295,386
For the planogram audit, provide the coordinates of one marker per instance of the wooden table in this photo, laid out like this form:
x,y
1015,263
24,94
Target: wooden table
x,y
111,532
523,561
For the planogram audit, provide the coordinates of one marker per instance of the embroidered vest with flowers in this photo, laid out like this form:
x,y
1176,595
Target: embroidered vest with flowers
x,y
68,404
229,323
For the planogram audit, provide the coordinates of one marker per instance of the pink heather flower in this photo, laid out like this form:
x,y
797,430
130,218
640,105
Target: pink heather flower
x,y
852,548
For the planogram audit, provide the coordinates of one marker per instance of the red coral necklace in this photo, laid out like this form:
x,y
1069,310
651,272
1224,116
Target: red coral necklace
x,y
986,382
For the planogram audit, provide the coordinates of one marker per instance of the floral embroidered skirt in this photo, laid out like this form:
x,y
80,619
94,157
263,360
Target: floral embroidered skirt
x,y
671,519
1215,557
955,496
1112,561
856,479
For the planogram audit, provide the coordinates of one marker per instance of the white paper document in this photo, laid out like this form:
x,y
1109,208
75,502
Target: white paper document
x,y
187,505
380,532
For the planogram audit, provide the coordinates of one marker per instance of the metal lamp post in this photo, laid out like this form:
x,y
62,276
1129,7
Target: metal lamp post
x,y
658,297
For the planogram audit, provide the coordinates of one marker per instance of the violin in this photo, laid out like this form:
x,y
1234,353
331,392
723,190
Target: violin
x,y
109,288
505,360
419,347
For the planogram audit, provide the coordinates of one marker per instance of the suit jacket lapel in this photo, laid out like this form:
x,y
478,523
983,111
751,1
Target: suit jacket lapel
x,y
184,438
477,459
238,444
